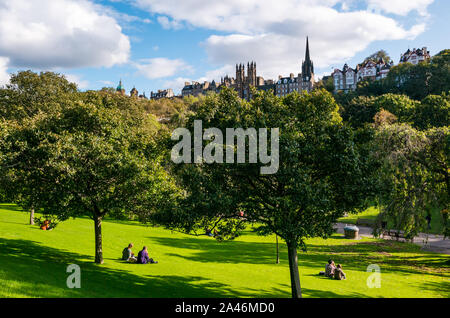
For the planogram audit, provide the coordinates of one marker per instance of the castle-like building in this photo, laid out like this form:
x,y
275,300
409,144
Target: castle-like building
x,y
161,93
241,83
247,78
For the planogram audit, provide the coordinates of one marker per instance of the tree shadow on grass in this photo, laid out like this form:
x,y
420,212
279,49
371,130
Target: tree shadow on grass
x,y
11,207
385,254
355,257
28,269
234,252
441,287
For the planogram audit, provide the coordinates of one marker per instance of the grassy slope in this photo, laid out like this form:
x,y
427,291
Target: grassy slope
x,y
370,213
33,264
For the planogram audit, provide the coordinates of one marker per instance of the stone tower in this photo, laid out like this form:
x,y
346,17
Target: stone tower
x,y
134,92
243,81
307,70
120,89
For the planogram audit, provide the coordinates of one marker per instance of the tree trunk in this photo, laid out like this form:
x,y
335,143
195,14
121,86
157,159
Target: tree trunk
x,y
278,250
293,268
98,239
32,216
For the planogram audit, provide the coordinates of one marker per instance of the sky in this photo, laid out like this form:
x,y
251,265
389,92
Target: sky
x,y
159,44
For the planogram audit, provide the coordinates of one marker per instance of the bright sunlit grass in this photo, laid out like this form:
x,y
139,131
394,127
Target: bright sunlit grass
x,y
33,264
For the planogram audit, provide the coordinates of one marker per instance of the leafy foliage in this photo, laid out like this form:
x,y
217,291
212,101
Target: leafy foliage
x,y
323,172
414,175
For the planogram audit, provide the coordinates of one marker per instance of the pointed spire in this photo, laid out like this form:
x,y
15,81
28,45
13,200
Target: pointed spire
x,y
307,64
307,57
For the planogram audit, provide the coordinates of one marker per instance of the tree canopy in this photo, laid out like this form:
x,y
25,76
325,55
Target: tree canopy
x,y
323,172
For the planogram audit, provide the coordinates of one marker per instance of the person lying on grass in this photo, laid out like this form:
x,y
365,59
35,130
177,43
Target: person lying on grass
x,y
143,257
128,255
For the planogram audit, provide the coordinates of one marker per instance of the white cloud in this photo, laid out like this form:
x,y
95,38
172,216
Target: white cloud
x,y
4,75
107,83
49,34
273,34
178,83
401,7
161,67
167,24
82,84
218,73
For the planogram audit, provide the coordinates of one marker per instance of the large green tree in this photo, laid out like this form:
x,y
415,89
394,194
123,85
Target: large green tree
x,y
323,172
432,111
361,110
414,174
27,95
381,54
91,157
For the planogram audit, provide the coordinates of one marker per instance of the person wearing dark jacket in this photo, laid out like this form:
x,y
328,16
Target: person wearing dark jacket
x,y
143,257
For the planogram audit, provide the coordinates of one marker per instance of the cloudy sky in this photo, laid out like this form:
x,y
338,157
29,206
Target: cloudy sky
x,y
157,44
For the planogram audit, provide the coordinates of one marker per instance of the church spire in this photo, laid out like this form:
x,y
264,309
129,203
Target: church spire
x,y
307,58
307,65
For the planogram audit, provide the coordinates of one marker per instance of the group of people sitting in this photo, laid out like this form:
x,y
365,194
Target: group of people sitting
x,y
333,271
142,258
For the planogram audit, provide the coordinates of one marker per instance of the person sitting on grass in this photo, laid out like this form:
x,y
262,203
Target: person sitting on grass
x,y
330,268
46,225
339,273
143,257
128,255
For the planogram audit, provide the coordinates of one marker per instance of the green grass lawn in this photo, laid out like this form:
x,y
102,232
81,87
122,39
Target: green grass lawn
x,y
369,214
33,264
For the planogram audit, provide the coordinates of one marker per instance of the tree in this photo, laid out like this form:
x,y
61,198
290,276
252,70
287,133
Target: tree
x,y
88,158
414,173
323,172
359,111
433,111
369,87
381,54
412,80
362,109
383,117
327,83
440,69
27,95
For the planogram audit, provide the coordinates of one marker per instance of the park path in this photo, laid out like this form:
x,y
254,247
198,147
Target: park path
x,y
435,243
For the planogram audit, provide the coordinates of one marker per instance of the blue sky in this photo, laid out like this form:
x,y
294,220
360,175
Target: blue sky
x,y
155,44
